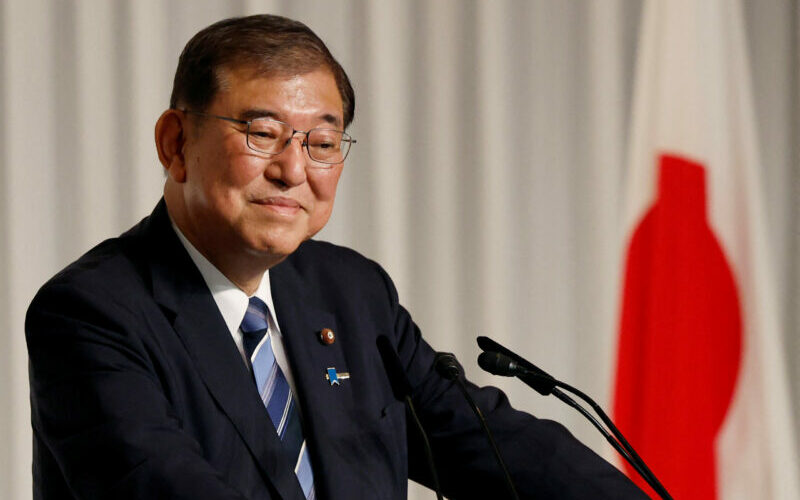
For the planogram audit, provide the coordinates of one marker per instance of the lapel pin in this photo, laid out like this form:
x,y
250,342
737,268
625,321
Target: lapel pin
x,y
327,337
334,377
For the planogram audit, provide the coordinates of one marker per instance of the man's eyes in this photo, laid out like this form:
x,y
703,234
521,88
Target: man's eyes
x,y
264,134
323,144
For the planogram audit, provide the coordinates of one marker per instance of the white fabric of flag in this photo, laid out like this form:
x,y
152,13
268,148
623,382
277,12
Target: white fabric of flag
x,y
693,99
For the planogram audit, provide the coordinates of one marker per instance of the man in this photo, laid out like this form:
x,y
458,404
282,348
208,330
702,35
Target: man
x,y
214,351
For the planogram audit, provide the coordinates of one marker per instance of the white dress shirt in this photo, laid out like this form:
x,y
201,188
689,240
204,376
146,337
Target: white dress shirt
x,y
232,303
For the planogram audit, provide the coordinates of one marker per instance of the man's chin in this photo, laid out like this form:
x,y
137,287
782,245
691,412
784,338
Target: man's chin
x,y
274,247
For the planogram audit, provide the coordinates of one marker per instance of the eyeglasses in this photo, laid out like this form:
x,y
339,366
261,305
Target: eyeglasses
x,y
271,137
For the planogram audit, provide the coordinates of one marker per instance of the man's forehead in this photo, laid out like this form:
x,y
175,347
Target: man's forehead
x,y
233,81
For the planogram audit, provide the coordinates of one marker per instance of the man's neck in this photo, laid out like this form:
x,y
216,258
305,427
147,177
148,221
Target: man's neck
x,y
244,271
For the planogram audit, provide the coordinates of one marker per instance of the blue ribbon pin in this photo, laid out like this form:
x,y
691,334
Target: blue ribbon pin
x,y
335,378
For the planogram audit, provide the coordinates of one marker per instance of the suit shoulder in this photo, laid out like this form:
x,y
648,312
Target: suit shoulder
x,y
322,260
323,254
110,271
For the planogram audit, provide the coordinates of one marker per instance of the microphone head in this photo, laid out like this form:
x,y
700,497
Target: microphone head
x,y
497,364
518,362
401,387
446,365
487,344
514,360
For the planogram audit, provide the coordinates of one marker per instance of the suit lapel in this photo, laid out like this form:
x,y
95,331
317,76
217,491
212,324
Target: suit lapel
x,y
323,404
179,287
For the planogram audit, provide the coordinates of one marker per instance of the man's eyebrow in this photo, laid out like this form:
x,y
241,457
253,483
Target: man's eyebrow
x,y
332,119
252,114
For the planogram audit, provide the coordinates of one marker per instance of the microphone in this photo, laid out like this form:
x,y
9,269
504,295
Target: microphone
x,y
499,360
401,388
500,364
540,381
447,366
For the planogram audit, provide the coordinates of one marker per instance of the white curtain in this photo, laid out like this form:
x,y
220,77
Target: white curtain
x,y
487,176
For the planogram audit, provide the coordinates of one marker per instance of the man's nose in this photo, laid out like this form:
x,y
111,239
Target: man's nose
x,y
292,161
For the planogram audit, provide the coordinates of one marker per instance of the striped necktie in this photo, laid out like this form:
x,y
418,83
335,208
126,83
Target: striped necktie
x,y
275,391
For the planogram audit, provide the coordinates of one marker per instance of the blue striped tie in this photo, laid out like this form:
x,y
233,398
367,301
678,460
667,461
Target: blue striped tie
x,y
275,391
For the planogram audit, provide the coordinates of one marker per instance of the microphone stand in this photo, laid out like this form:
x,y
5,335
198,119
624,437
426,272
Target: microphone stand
x,y
401,388
638,465
545,384
633,458
446,365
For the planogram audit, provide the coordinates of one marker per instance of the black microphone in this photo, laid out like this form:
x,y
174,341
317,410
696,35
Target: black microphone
x,y
499,364
542,383
447,366
401,388
499,360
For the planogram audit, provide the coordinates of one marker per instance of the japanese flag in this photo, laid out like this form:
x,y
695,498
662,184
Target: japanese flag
x,y
701,385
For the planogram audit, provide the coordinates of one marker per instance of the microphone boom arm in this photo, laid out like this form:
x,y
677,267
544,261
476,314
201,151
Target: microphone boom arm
x,y
546,384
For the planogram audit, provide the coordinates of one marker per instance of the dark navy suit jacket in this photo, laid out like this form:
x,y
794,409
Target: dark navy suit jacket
x,y
138,391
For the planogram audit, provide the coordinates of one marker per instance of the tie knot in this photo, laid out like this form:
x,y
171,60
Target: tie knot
x,y
255,318
254,325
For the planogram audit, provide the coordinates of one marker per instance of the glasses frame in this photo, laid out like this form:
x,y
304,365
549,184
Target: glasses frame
x,y
325,164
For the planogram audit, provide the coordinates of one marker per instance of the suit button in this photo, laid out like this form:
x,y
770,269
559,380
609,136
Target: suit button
x,y
327,337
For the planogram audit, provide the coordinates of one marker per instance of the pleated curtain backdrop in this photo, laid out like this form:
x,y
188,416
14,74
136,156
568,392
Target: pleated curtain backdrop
x,y
487,178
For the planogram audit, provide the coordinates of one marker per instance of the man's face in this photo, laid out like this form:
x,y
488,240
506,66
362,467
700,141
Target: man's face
x,y
239,201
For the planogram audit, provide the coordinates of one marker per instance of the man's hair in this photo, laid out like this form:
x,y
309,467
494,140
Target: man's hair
x,y
272,45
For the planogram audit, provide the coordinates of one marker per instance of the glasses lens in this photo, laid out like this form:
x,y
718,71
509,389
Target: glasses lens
x,y
324,145
268,136
328,145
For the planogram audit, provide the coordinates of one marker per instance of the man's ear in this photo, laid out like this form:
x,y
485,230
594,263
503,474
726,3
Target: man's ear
x,y
170,139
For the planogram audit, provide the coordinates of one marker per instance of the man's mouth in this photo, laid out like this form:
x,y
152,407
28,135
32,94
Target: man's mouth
x,y
280,204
